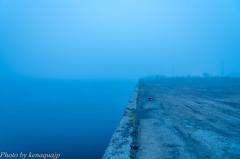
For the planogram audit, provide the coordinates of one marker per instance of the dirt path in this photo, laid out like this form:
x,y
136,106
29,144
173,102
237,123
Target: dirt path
x,y
189,118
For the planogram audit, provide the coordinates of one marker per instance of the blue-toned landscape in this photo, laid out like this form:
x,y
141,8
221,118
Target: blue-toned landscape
x,y
138,79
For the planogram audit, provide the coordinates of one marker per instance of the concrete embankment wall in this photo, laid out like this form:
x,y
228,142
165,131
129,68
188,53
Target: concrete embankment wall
x,y
120,143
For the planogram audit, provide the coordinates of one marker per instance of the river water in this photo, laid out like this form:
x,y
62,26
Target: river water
x,y
75,118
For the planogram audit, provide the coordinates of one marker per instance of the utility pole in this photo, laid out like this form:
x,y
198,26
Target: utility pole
x,y
172,71
222,68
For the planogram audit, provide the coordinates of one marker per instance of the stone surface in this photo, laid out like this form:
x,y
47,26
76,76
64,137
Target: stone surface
x,y
120,144
189,118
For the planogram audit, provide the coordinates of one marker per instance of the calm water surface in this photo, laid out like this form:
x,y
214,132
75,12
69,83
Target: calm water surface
x,y
74,118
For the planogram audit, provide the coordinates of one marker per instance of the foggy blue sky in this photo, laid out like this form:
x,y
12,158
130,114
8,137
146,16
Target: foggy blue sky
x,y
116,39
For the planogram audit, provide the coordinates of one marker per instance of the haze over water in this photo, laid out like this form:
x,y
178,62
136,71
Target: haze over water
x,y
67,68
118,39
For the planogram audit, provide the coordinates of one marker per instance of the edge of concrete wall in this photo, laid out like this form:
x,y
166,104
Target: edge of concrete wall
x,y
120,143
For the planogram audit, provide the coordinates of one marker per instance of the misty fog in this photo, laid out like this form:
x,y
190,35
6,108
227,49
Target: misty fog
x,y
125,39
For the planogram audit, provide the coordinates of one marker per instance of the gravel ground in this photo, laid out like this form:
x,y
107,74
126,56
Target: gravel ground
x,y
188,118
